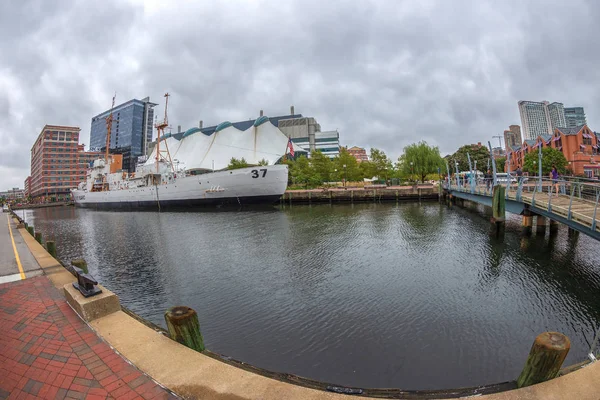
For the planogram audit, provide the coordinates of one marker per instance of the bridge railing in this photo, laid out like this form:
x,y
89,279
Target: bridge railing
x,y
571,197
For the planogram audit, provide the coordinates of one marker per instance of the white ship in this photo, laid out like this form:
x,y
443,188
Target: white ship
x,y
190,169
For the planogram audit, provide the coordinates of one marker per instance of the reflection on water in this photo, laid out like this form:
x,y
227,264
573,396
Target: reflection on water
x,y
375,295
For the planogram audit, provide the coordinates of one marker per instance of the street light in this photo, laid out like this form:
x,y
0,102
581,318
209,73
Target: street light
x,y
336,176
412,178
344,175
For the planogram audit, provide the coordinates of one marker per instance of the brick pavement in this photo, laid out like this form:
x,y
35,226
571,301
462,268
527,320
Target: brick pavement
x,y
47,351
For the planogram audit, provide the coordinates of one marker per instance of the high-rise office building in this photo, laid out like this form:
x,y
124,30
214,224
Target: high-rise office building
x,y
575,116
131,130
557,116
512,137
58,163
540,118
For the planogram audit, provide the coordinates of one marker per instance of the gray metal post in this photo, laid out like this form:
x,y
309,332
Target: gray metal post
x,y
470,173
448,170
540,166
457,180
493,164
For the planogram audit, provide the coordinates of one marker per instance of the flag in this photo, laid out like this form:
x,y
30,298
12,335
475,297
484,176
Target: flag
x,y
291,147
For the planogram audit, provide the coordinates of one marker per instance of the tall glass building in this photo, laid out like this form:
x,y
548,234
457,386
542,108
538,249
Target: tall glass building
x,y
575,116
131,130
540,118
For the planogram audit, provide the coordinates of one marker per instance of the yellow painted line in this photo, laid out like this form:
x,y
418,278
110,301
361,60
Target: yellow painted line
x,y
15,250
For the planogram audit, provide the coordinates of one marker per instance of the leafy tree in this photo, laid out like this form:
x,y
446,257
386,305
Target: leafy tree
x,y
382,165
500,164
425,160
263,162
234,163
322,166
477,153
302,172
550,157
352,171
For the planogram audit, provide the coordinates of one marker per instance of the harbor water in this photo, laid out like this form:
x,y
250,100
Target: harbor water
x,y
414,296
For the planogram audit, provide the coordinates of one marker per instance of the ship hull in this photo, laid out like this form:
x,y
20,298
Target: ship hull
x,y
235,188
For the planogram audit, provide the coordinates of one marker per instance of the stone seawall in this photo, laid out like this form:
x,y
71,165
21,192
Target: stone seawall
x,y
361,195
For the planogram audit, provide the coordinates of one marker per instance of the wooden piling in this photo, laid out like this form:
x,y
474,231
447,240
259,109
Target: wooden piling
x,y
527,223
553,227
51,248
540,225
546,356
80,263
572,232
38,237
498,209
184,327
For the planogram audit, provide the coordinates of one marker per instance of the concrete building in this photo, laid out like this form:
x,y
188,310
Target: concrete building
x,y
575,116
540,118
58,163
512,136
359,153
13,194
557,115
327,143
131,130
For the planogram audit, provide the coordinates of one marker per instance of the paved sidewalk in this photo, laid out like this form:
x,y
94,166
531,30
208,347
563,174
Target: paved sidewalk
x,y
13,268
47,351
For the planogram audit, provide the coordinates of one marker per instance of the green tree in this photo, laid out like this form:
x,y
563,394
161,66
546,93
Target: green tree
x,y
234,163
550,157
425,160
322,166
500,164
352,171
263,162
477,153
302,172
382,165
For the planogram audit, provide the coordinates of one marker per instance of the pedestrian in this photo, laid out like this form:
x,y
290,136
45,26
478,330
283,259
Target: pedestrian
x,y
519,175
554,176
488,179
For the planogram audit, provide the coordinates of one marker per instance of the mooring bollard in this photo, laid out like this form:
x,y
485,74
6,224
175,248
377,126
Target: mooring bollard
x,y
81,264
546,356
184,327
51,248
38,237
30,230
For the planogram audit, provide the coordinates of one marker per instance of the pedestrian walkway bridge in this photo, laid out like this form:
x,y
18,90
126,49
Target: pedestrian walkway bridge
x,y
569,201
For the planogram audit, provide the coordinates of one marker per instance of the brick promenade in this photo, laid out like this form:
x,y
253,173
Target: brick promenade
x,y
47,351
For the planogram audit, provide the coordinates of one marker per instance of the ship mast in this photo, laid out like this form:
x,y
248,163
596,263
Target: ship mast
x,y
109,121
160,129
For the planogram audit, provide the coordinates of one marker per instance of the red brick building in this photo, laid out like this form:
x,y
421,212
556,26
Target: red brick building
x,y
359,153
26,186
58,163
579,145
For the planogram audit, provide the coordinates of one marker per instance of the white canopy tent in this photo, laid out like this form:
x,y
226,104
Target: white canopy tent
x,y
197,151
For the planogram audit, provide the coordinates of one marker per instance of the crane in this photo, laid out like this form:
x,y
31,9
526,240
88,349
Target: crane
x,y
499,139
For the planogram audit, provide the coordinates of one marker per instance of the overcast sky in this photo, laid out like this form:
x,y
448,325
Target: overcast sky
x,y
384,73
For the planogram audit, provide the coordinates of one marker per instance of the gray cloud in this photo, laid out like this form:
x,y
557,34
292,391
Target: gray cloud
x,y
385,73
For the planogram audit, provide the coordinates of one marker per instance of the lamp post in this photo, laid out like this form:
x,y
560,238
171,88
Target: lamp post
x,y
345,175
336,176
412,177
386,175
